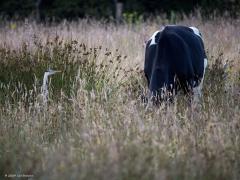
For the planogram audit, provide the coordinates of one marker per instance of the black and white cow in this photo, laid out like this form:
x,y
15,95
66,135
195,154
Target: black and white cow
x,y
175,59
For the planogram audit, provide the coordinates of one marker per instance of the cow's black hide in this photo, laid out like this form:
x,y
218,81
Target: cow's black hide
x,y
174,59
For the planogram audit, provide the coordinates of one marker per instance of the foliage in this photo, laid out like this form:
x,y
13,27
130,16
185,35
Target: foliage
x,y
131,18
72,9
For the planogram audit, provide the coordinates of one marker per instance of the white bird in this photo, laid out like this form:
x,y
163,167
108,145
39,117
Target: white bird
x,y
44,88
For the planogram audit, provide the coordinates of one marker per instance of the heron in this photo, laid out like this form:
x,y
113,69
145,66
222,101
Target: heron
x,y
44,88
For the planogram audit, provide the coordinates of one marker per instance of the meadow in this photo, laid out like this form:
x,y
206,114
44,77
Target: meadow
x,y
95,125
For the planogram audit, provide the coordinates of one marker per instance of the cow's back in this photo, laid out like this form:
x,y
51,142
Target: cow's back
x,y
177,52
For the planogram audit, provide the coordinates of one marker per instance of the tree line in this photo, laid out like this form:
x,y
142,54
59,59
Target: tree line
x,y
72,9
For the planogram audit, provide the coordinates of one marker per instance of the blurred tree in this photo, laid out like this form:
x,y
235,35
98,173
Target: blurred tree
x,y
38,3
232,7
19,8
71,9
118,10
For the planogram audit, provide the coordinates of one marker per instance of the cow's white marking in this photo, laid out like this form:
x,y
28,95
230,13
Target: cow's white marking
x,y
153,41
205,63
204,70
197,91
196,31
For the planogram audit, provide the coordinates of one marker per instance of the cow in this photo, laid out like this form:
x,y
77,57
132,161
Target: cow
x,y
175,60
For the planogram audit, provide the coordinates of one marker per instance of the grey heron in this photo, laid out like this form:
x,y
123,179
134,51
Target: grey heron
x,y
44,88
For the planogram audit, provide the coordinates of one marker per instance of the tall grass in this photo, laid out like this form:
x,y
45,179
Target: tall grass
x,y
95,125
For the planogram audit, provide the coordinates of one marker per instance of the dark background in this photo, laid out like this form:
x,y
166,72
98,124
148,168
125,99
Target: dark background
x,y
73,9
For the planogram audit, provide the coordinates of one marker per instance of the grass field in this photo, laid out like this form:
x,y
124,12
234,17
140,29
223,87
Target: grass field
x,y
95,125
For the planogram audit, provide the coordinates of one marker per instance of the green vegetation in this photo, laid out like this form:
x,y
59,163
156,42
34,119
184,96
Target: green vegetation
x,y
73,9
22,69
95,125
